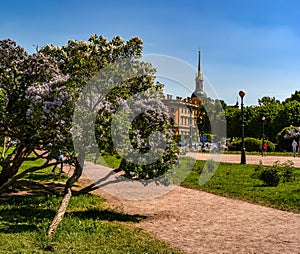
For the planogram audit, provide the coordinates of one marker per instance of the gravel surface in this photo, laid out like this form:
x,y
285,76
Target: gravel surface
x,y
198,222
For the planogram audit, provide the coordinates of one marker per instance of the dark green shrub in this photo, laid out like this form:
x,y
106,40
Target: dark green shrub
x,y
251,145
258,169
271,176
271,146
177,138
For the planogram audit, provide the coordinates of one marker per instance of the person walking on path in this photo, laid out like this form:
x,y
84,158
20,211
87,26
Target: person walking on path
x,y
264,149
294,146
59,159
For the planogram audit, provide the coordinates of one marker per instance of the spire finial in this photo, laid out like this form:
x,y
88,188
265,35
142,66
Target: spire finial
x,y
199,64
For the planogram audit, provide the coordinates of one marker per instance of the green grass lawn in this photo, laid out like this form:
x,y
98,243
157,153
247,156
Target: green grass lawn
x,y
235,181
88,227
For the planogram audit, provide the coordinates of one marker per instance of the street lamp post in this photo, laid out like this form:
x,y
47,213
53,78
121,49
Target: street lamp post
x,y
263,128
243,155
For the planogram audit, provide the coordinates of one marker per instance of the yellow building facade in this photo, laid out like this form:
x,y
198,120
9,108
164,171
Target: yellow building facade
x,y
184,112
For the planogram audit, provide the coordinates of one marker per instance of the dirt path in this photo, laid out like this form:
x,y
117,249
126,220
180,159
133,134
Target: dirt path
x,y
250,159
199,222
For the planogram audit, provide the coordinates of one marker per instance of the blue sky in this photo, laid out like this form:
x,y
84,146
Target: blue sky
x,y
250,45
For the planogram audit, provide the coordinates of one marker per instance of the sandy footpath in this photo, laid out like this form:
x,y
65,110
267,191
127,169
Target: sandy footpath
x,y
250,159
199,222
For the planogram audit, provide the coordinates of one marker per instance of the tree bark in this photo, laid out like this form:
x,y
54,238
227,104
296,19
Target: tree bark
x,y
65,201
11,181
60,213
11,164
4,147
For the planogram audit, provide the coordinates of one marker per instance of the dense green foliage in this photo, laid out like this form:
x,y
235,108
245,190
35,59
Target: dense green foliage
x,y
124,87
40,92
251,145
277,116
278,172
211,119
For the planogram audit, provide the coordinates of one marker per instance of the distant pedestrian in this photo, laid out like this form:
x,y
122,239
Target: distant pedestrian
x,y
264,149
203,149
59,160
294,146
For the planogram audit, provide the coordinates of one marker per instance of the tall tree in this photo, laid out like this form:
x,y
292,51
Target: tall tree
x,y
294,97
115,82
40,92
266,100
35,102
233,123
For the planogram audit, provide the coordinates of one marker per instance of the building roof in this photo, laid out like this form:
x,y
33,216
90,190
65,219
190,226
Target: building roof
x,y
198,94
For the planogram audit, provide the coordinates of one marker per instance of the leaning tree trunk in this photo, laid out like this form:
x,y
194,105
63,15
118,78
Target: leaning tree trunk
x,y
4,147
65,201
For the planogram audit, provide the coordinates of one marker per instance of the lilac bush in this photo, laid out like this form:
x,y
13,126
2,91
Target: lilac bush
x,y
286,136
292,133
142,137
38,94
35,107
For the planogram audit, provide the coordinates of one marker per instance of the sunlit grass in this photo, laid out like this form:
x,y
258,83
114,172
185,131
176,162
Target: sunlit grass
x,y
88,227
236,181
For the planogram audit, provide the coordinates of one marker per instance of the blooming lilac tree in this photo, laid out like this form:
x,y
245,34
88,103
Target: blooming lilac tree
x,y
34,105
286,136
142,137
38,94
114,82
83,60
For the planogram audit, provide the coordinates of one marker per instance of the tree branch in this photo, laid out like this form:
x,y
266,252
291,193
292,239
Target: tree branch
x,y
6,185
4,147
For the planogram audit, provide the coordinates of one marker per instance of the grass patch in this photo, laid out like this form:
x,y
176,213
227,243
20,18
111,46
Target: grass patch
x,y
106,159
88,227
236,181
45,174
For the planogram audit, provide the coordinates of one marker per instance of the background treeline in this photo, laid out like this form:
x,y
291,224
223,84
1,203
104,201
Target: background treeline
x,y
277,121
